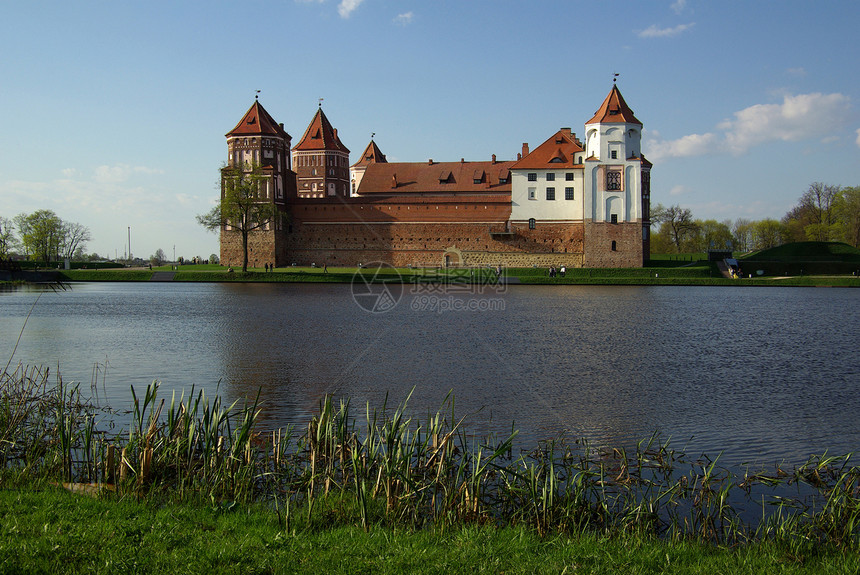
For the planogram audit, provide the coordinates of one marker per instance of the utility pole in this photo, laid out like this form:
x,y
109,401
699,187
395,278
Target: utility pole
x,y
129,243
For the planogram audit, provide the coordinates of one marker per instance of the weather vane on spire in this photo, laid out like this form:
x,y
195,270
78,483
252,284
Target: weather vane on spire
x,y
320,102
614,77
257,95
372,134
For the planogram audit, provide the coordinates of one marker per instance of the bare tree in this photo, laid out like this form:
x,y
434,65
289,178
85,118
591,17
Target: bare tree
x,y
75,238
157,258
243,208
678,220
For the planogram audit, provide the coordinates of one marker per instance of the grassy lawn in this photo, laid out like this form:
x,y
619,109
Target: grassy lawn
x,y
799,264
49,530
698,274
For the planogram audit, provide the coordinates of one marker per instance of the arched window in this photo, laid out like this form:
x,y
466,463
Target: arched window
x,y
614,246
531,223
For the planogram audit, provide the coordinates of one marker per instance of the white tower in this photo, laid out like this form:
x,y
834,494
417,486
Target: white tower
x,y
617,186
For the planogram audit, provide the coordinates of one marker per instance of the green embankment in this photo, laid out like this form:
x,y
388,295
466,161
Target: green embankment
x,y
797,264
805,258
51,531
193,485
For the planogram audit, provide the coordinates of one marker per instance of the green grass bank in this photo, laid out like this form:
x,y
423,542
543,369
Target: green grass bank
x,y
44,529
196,485
695,274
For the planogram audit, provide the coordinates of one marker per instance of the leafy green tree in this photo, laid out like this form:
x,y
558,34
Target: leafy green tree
x,y
814,216
7,237
243,208
711,234
660,241
768,233
41,234
742,231
847,208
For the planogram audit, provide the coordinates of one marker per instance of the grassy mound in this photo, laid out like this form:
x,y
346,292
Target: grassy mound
x,y
808,252
805,258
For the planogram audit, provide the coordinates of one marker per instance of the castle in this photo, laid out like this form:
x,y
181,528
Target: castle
x,y
562,203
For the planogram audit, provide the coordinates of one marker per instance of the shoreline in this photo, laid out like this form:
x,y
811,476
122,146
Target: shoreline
x,y
677,276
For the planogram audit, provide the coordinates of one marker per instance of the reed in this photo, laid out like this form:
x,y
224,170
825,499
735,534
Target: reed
x,y
387,467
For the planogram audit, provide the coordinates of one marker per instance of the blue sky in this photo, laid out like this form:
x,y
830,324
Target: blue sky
x,y
115,112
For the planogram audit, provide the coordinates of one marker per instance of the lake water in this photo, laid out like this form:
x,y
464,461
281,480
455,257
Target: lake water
x,y
762,375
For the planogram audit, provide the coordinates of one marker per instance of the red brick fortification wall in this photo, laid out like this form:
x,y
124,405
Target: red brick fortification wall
x,y
628,245
490,208
261,248
418,244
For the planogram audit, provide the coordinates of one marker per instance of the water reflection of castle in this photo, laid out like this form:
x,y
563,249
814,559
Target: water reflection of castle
x,y
563,203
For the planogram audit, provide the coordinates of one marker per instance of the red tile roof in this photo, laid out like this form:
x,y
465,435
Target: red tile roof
x,y
614,110
257,122
437,178
371,154
557,152
320,135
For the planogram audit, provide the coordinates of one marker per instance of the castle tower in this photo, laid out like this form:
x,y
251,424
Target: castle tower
x,y
617,187
321,161
371,155
258,141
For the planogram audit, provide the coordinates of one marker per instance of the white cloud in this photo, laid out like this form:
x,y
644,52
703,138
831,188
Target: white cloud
x,y
118,173
654,32
798,118
678,190
691,145
678,6
404,19
799,72
347,7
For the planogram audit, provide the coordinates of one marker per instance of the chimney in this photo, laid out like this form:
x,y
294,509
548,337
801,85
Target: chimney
x,y
519,157
494,158
525,149
566,132
462,160
430,162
